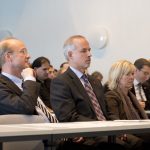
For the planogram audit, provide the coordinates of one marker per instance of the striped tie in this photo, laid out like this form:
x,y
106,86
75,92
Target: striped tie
x,y
93,98
51,116
140,91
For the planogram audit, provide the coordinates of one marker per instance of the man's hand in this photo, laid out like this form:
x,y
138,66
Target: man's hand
x,y
142,103
78,139
27,72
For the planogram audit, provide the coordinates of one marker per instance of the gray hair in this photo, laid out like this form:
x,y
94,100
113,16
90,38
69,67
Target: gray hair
x,y
5,47
70,44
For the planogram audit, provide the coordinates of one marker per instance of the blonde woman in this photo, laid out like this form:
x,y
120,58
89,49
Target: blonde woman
x,y
121,102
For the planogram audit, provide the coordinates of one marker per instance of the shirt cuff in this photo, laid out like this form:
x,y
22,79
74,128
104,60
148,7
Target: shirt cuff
x,y
30,78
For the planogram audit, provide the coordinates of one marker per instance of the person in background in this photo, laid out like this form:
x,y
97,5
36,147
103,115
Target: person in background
x,y
15,97
142,74
147,84
41,68
122,103
55,72
106,88
96,75
63,67
74,102
52,72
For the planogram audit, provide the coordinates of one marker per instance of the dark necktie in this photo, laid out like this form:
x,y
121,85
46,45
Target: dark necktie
x,y
140,91
93,99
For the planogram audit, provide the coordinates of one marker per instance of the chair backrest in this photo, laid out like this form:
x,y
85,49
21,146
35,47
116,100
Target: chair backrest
x,y
21,119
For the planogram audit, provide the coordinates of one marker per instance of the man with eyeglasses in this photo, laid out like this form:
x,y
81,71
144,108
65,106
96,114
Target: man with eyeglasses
x,y
16,98
142,74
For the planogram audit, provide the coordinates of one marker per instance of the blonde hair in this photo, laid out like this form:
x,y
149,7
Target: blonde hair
x,y
117,70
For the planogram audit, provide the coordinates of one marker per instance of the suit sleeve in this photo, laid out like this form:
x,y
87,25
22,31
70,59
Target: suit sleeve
x,y
20,102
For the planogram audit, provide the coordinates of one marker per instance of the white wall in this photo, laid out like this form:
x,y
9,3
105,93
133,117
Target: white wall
x,y
44,25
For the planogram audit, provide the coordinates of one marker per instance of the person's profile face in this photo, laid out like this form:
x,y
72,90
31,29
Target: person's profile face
x,y
51,73
143,74
126,80
19,56
43,71
81,56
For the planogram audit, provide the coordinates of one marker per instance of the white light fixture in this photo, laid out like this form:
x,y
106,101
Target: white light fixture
x,y
98,38
103,38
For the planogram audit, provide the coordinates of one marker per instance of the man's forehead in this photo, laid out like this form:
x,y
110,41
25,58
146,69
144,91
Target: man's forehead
x,y
146,67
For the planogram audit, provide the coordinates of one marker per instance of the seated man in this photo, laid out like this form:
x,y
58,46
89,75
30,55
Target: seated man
x,y
14,61
77,98
52,72
16,98
142,74
41,67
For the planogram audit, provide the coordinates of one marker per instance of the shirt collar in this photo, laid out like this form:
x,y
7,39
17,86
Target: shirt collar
x,y
77,72
15,79
136,82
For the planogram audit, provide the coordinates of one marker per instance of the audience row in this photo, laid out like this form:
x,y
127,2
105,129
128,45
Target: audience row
x,y
74,95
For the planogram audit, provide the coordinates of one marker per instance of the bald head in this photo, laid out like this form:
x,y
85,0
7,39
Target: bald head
x,y
8,45
13,56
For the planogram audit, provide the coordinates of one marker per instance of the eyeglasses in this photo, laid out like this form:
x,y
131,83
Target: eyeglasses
x,y
21,51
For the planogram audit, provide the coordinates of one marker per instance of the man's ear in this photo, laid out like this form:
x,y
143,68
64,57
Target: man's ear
x,y
8,56
70,54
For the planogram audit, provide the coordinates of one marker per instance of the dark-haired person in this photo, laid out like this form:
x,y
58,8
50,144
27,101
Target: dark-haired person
x,y
41,67
52,72
97,75
142,74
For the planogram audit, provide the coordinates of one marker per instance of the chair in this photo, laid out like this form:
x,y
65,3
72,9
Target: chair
x,y
22,119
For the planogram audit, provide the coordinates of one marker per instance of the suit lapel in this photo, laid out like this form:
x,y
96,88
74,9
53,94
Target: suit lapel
x,y
133,90
76,81
10,84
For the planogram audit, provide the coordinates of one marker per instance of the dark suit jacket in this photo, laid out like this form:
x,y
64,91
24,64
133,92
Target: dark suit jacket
x,y
146,88
71,102
44,93
15,101
118,107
